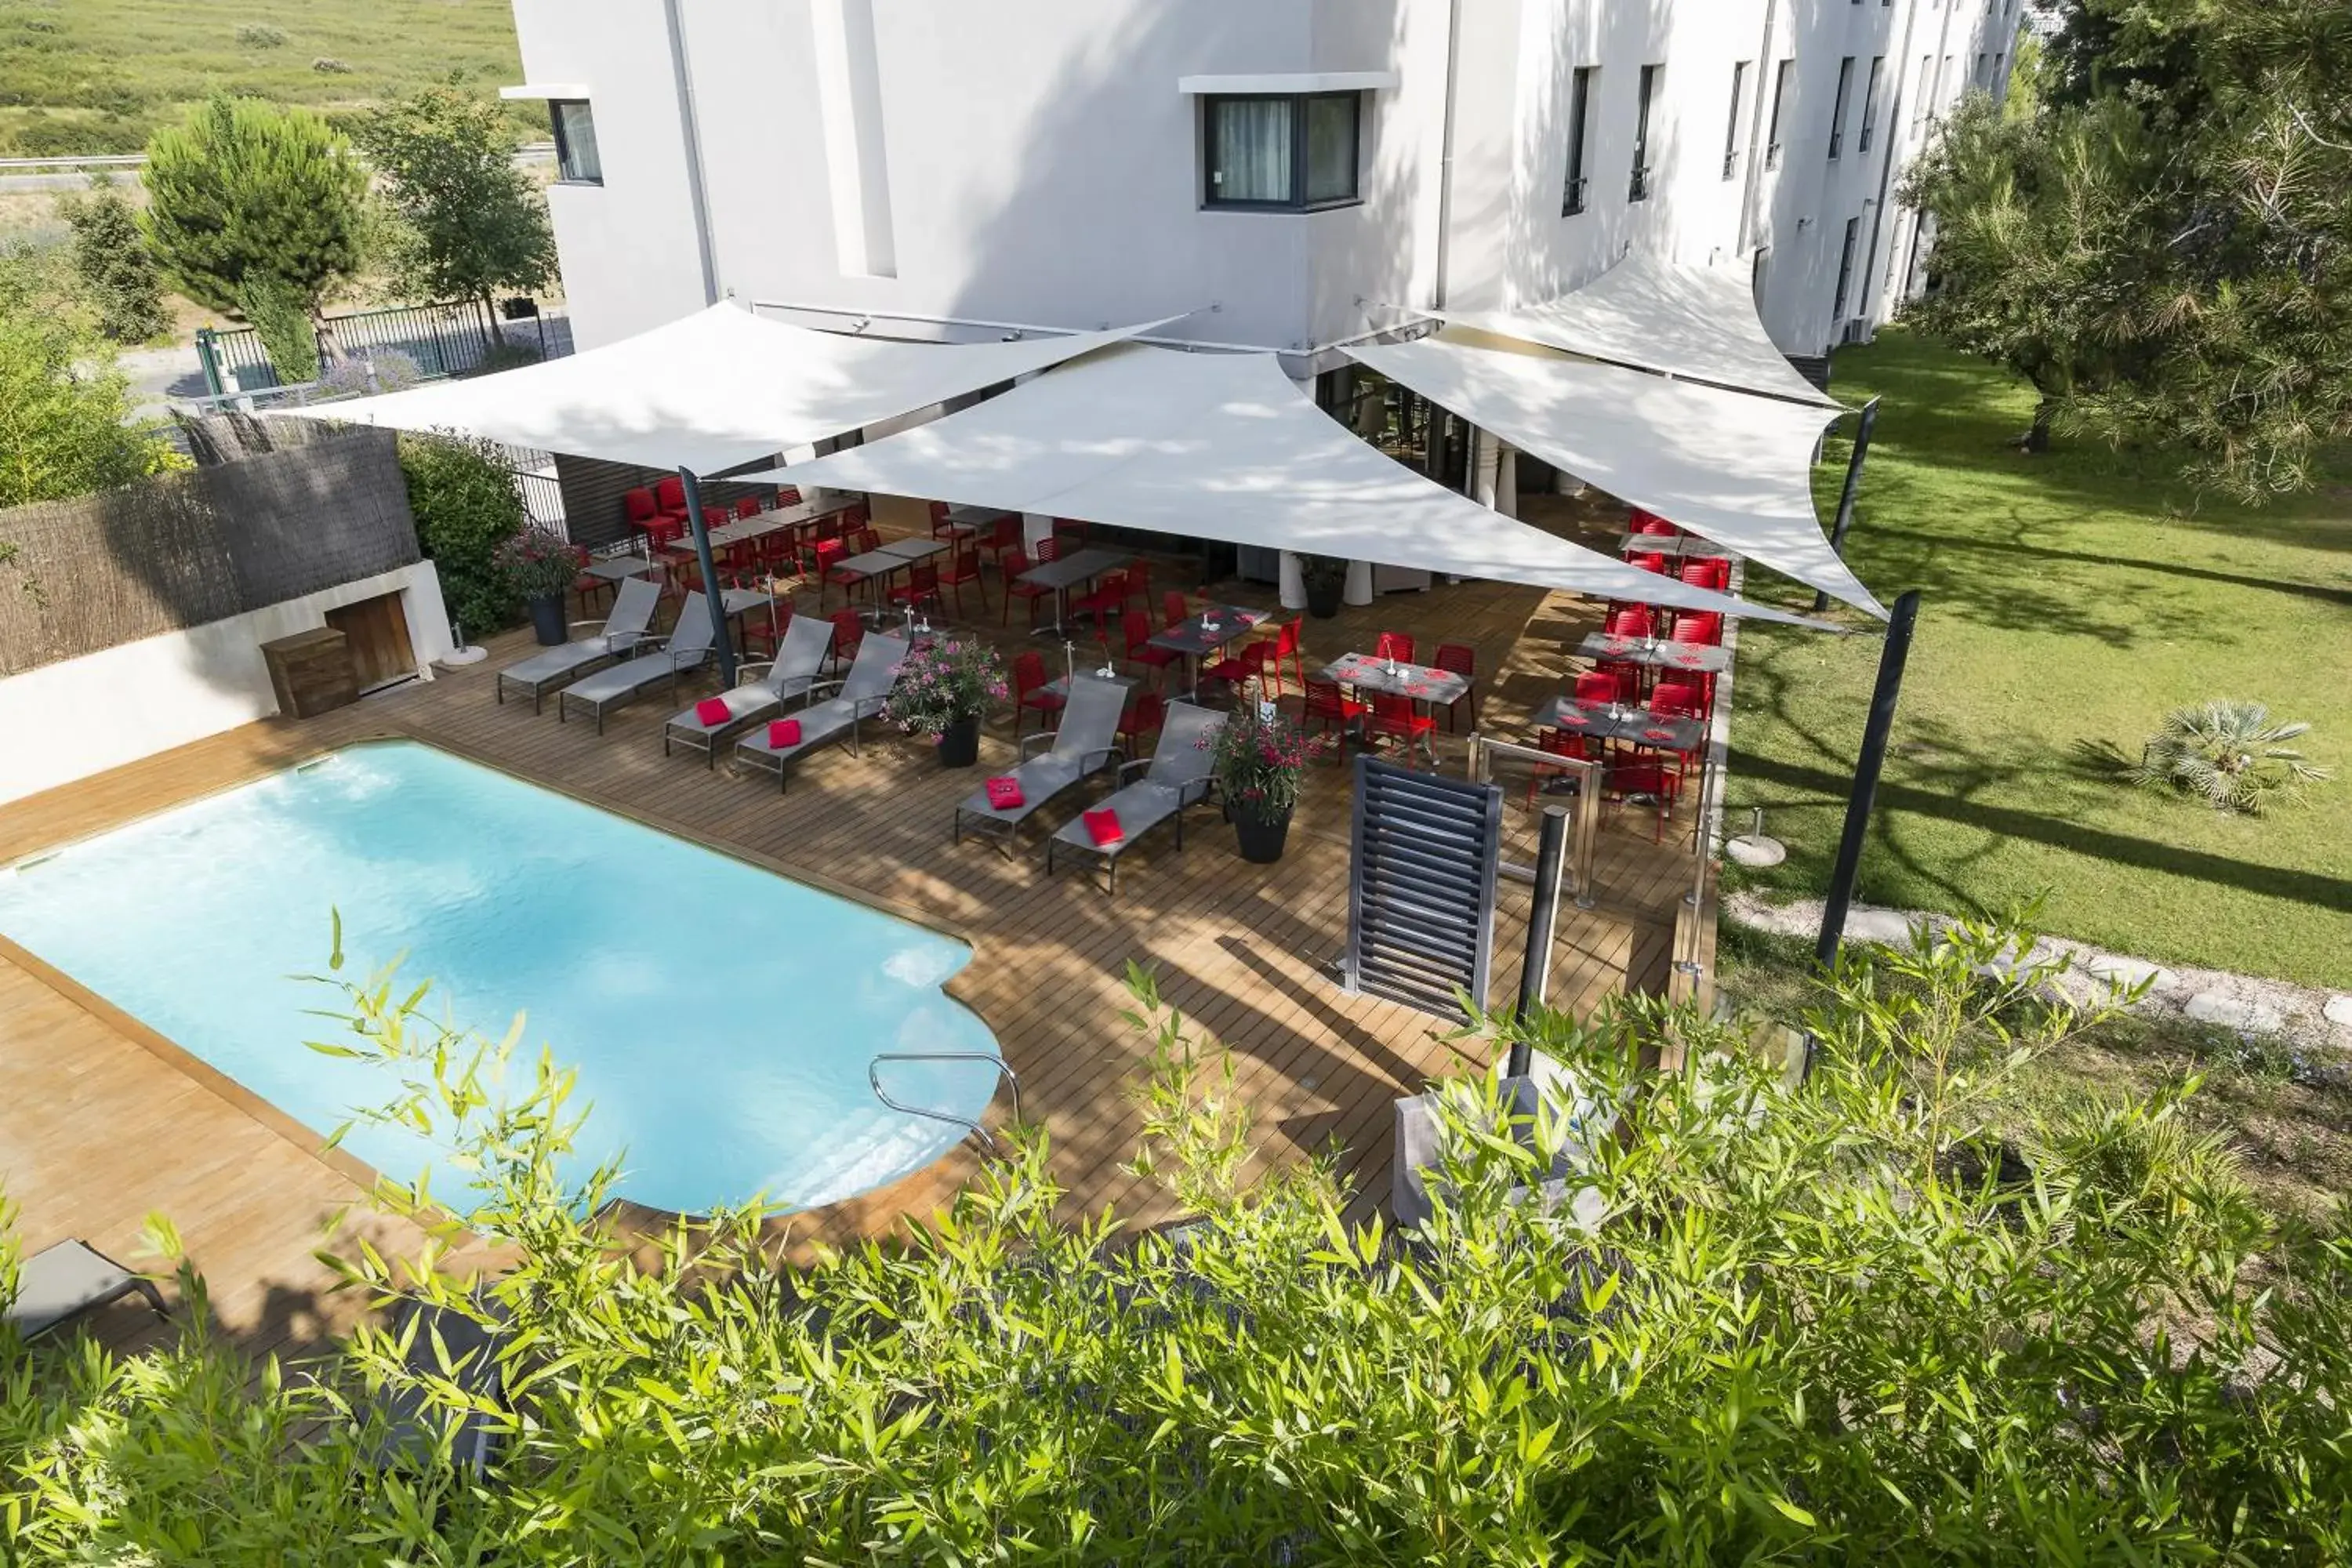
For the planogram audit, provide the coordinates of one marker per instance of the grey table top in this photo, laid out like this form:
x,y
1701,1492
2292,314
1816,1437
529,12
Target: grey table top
x,y
1369,673
1210,630
973,519
618,568
735,601
1077,567
1674,545
915,547
873,564
1698,658
1060,685
1637,725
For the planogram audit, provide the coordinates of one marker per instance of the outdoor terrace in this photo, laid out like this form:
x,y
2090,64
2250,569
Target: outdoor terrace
x,y
131,1125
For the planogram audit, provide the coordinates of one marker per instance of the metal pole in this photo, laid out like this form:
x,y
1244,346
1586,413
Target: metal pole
x,y
1551,848
206,356
1852,489
1865,774
721,642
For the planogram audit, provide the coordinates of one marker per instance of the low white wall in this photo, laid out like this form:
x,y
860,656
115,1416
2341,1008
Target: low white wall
x,y
68,720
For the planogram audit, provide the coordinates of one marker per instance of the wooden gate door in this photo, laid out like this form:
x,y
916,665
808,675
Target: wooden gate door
x,y
377,630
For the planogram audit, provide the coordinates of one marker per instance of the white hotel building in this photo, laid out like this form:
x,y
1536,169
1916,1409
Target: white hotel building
x,y
1285,174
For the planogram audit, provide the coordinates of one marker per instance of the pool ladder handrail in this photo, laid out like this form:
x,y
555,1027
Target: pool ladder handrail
x,y
1003,1070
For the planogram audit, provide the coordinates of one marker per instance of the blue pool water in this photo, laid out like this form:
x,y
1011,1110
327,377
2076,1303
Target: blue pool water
x,y
720,1018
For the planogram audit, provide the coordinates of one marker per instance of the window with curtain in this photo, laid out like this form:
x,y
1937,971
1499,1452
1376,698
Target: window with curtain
x,y
575,141
1283,152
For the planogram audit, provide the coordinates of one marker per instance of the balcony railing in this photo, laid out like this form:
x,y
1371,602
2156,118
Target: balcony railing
x,y
1575,201
1862,143
1639,188
1837,144
1772,156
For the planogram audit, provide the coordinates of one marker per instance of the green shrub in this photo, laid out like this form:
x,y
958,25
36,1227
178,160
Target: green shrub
x,y
1757,1321
287,334
467,507
64,424
118,275
260,36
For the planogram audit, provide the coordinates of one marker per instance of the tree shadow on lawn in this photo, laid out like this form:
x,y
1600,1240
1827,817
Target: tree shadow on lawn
x,y
1929,545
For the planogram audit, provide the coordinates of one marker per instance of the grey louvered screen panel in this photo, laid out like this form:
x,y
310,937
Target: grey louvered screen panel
x,y
1420,906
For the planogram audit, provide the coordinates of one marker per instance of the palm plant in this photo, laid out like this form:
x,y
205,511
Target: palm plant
x,y
2229,753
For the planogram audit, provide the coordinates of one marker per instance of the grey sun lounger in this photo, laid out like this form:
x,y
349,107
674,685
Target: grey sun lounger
x,y
60,1283
412,1425
1086,741
807,640
861,695
1178,775
688,647
632,614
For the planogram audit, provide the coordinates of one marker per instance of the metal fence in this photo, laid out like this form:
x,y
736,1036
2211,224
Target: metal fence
x,y
441,340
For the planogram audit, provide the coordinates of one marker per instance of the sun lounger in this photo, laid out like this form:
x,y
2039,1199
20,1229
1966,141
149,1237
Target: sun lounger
x,y
790,676
60,1283
1086,741
861,695
1177,774
688,647
622,631
413,1424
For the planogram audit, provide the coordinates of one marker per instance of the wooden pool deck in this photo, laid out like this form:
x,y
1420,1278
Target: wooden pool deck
x,y
108,1122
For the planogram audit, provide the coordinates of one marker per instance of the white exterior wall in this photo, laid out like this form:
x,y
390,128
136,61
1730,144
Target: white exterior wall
x,y
98,711
959,171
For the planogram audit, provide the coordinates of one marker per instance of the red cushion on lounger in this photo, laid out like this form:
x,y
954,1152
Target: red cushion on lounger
x,y
712,711
784,732
1103,827
1004,793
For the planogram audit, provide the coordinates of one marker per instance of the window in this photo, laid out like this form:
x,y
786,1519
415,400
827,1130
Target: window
x,y
1845,268
1731,132
1944,79
1870,103
1281,152
1579,115
2000,72
1639,190
1983,78
1837,110
1921,98
1780,101
576,163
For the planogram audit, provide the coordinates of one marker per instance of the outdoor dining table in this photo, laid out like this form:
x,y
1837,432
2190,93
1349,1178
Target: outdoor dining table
x,y
962,521
1065,573
1699,658
1204,633
620,568
1674,546
1060,685
913,547
1615,721
1370,673
872,565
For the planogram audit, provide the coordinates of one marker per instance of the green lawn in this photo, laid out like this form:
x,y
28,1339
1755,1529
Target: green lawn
x,y
2068,601
96,76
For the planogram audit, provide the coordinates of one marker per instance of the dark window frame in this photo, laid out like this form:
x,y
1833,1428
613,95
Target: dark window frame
x,y
563,176
1637,186
1731,132
1580,116
1297,201
1841,106
1869,130
1846,272
1782,70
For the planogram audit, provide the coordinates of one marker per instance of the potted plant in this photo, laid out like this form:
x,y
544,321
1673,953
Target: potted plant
x,y
1325,578
539,565
945,688
1258,756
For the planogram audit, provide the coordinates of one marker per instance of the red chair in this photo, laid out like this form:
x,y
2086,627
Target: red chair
x,y
1136,628
1629,621
1398,718
1003,539
669,496
1287,644
716,517
965,568
848,631
638,507
1652,562
1596,688
1174,611
1646,776
763,634
788,495
1628,678
857,516
1070,528
1393,645
1651,522
1048,549
1557,743
747,506
1698,571
1698,628
588,587
1329,709
1460,659
1029,690
921,587
1678,699
1138,585
850,580
1015,564
1251,659
1108,599
828,527
863,539
1140,725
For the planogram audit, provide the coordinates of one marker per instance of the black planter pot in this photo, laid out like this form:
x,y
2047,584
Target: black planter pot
x,y
959,746
547,620
1261,838
1323,598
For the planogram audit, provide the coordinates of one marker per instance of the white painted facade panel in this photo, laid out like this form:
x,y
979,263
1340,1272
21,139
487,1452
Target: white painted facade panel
x,y
965,171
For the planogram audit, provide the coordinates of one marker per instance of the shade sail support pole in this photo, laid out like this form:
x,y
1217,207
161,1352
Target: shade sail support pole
x,y
1852,492
1891,660
721,640
1535,975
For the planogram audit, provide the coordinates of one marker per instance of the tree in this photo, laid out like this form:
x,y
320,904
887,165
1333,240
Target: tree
x,y
467,506
2163,246
470,224
65,429
1856,1320
287,334
117,273
246,196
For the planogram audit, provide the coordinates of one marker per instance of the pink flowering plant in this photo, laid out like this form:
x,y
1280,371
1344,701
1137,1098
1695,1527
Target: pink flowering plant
x,y
944,682
1258,759
537,562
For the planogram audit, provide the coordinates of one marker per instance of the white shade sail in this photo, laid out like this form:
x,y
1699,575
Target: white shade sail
x,y
710,391
1697,322
1223,446
1733,469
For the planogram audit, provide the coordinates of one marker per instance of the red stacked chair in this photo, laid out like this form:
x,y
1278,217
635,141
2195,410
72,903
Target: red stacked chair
x,y
1699,628
1648,561
1330,709
1029,690
1460,659
1629,621
638,509
747,506
1649,522
788,495
1137,629
1015,564
1707,572
965,568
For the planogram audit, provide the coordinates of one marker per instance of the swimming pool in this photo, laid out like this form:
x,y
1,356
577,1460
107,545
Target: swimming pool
x,y
720,1018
